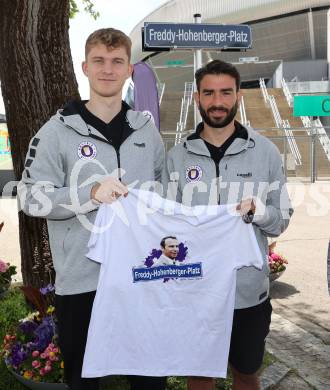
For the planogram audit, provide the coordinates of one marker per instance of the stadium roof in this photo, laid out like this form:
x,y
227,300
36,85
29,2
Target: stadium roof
x,y
282,30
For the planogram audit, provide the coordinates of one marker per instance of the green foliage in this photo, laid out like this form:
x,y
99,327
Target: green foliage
x,y
89,8
114,383
173,383
7,381
176,383
268,360
73,9
223,384
6,276
12,308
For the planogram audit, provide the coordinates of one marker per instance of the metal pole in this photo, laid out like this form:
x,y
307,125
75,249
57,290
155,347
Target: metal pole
x,y
311,33
313,156
285,164
328,41
197,65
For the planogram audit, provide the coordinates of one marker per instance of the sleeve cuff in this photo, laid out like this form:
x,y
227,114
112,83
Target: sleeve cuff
x,y
86,203
261,219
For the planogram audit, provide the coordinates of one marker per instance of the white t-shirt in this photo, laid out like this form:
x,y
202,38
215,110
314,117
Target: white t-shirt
x,y
160,320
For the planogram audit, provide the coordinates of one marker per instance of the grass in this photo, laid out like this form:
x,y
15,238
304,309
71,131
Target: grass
x,y
13,308
173,383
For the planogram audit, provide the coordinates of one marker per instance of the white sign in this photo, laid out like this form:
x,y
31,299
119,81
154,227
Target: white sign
x,y
249,59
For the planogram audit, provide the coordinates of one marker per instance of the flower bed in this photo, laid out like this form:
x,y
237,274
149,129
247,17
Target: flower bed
x,y
31,349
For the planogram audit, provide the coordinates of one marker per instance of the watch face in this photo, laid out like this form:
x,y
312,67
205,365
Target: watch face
x,y
248,218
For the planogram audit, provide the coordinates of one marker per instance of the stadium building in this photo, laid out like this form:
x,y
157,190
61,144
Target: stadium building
x,y
289,56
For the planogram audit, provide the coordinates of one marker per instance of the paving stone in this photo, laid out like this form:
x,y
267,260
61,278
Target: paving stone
x,y
307,354
273,374
292,382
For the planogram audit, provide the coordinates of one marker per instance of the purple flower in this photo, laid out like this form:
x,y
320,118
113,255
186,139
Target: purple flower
x,y
18,355
44,334
28,327
46,290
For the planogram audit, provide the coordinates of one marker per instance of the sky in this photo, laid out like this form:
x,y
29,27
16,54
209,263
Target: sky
x,y
111,15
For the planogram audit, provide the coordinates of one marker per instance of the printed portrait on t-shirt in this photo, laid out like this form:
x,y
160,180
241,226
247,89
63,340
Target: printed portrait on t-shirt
x,y
168,262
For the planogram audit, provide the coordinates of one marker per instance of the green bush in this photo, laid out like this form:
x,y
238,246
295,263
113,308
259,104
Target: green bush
x,y
173,383
12,308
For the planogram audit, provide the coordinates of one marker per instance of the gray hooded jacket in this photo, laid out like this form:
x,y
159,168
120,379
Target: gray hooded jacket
x,y
64,161
251,167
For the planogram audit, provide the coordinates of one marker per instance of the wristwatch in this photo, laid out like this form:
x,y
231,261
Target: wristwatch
x,y
248,217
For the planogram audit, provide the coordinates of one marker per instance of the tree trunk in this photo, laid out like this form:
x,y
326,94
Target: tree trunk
x,y
37,78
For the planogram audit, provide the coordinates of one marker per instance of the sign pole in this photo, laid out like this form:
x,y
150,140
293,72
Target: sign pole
x,y
197,64
328,42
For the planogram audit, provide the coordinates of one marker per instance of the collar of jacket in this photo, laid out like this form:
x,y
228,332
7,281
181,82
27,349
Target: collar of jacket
x,y
134,119
196,145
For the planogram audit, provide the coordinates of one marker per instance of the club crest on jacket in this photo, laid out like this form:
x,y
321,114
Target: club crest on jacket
x,y
194,173
87,150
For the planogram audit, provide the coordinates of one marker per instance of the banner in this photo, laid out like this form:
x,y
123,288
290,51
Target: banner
x,y
145,91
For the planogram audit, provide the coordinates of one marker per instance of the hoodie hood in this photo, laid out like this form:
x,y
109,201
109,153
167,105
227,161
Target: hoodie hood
x,y
70,117
194,144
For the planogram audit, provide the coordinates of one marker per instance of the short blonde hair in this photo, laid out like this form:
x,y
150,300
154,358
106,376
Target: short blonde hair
x,y
109,37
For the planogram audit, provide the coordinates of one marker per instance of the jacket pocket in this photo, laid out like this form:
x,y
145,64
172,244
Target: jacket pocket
x,y
68,238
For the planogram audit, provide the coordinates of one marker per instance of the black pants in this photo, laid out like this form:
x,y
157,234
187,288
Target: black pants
x,y
250,329
73,314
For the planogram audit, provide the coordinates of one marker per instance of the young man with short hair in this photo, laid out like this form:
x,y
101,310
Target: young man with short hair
x,y
226,163
67,172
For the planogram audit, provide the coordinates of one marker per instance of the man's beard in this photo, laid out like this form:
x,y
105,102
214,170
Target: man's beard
x,y
220,122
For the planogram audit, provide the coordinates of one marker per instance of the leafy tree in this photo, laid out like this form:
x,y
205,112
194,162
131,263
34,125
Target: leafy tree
x,y
89,8
37,78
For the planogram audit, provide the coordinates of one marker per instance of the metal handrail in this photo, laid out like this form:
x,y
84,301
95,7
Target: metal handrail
x,y
323,137
292,142
185,103
287,93
285,125
275,111
161,89
280,123
264,90
317,128
245,121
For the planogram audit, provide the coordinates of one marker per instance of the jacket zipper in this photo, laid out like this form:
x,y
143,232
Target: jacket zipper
x,y
217,170
118,163
117,151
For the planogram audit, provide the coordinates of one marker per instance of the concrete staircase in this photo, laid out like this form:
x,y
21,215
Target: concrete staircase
x,y
302,139
260,117
170,111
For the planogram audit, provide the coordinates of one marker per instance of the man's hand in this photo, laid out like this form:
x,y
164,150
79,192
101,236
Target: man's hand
x,y
108,190
245,206
247,209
